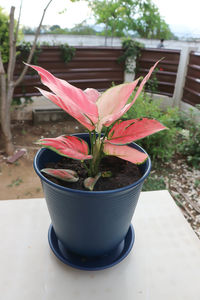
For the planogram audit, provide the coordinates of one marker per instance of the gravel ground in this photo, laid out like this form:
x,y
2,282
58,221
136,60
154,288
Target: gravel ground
x,y
184,186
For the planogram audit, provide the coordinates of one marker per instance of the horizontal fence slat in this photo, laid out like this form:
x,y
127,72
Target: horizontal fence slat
x,y
153,61
194,79
89,76
166,71
159,72
191,91
94,67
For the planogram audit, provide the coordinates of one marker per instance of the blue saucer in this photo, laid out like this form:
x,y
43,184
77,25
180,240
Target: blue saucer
x,y
91,263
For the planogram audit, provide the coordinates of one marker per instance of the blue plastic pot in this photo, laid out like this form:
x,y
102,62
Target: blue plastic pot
x,y
89,223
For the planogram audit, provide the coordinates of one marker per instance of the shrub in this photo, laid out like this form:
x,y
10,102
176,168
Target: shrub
x,y
161,145
4,35
190,140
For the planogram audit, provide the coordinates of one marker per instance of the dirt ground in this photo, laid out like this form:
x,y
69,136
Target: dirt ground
x,y
19,180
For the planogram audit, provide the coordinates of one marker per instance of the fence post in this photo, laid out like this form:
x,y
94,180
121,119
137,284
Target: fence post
x,y
129,77
181,74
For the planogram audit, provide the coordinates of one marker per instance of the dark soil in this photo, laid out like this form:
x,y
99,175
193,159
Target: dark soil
x,y
123,173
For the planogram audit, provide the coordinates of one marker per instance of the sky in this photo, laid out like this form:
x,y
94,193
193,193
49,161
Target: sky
x,y
32,12
182,16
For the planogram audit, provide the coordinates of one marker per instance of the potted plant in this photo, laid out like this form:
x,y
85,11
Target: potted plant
x,y
91,228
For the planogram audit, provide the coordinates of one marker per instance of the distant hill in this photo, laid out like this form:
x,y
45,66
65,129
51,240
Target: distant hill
x,y
183,32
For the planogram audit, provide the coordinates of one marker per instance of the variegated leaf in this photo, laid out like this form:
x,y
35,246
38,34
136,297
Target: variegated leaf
x,y
90,182
63,174
125,152
92,94
124,132
70,97
71,108
69,146
119,96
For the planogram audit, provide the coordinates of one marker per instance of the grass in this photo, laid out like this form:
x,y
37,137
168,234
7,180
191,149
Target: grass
x,y
15,182
154,183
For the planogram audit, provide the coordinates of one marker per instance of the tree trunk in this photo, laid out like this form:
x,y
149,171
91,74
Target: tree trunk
x,y
7,83
7,88
5,112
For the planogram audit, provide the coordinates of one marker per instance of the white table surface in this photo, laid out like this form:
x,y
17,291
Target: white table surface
x,y
163,264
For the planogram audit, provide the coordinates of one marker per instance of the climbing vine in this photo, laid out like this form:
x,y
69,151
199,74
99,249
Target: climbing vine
x,y
67,52
24,49
132,51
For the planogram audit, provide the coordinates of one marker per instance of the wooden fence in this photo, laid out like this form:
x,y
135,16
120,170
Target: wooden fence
x,y
94,67
98,67
191,93
167,69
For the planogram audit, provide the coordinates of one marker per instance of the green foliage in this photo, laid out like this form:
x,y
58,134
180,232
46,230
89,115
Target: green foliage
x,y
132,51
119,18
23,50
23,100
161,145
154,183
54,27
122,17
68,52
111,14
82,29
152,84
4,36
58,31
189,144
197,106
149,24
79,29
28,30
15,182
197,183
16,101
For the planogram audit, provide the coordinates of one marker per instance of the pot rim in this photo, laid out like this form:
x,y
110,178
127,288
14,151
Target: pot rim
x,y
42,177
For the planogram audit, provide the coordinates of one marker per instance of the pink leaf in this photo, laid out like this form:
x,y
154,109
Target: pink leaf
x,y
69,146
72,109
68,94
120,96
63,174
124,132
113,100
128,106
92,94
90,182
125,152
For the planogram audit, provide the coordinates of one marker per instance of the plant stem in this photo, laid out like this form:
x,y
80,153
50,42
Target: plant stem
x,y
85,166
96,151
